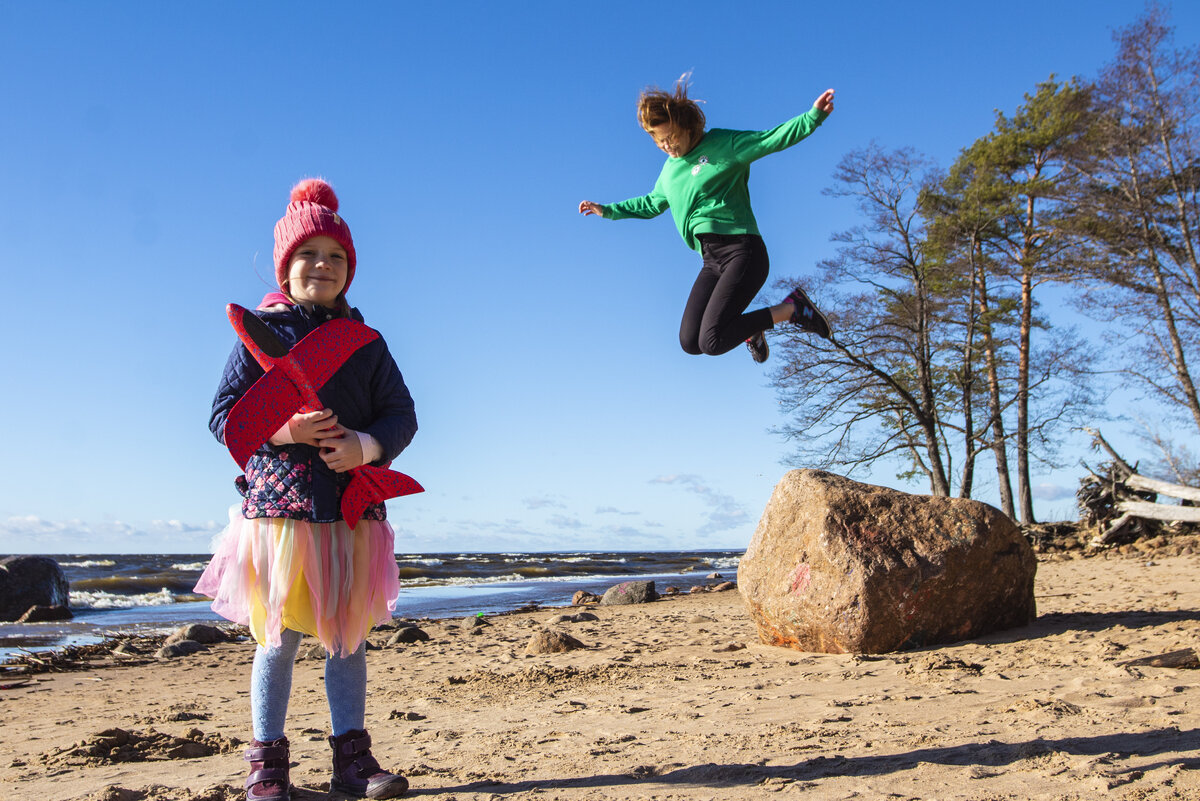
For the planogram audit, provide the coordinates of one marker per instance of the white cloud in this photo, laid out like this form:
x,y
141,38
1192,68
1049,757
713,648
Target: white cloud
x,y
542,503
612,510
1052,492
726,513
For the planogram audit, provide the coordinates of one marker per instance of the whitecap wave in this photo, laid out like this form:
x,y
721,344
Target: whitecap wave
x,y
89,563
107,600
725,562
190,566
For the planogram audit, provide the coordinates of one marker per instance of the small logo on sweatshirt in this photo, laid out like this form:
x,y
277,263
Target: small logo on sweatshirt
x,y
696,169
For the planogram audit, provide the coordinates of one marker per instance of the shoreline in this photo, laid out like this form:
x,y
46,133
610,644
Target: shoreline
x,y
676,699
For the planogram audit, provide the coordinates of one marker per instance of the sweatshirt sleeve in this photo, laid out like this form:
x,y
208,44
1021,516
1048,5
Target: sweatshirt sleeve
x,y
644,207
751,145
241,371
395,422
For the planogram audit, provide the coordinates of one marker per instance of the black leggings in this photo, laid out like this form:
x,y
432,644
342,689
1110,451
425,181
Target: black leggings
x,y
735,268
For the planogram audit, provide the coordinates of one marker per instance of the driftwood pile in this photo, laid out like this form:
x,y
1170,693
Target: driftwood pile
x,y
1122,504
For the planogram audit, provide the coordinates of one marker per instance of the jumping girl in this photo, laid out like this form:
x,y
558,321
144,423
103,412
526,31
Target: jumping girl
x,y
705,184
288,563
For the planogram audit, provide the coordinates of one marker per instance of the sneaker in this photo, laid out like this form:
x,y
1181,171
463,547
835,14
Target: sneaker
x,y
807,315
757,345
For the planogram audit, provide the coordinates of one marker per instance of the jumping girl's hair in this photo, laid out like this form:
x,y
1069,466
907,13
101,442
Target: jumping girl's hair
x,y
656,106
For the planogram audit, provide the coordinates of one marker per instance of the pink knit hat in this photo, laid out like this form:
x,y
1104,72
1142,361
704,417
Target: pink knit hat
x,y
312,212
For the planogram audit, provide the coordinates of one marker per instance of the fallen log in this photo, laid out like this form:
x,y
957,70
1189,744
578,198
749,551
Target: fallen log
x,y
1183,658
1160,511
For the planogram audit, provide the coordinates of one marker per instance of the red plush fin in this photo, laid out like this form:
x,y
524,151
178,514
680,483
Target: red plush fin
x,y
371,485
259,413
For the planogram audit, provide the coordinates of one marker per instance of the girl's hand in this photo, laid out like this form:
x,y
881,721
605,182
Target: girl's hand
x,y
310,428
588,207
824,102
342,451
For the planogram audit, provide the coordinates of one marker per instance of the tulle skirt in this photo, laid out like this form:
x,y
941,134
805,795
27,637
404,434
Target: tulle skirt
x,y
324,579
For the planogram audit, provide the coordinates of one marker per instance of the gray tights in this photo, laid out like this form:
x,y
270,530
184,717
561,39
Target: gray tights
x,y
271,685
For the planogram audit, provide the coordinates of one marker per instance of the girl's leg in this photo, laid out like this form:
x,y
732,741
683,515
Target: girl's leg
x,y
346,690
271,685
743,265
693,312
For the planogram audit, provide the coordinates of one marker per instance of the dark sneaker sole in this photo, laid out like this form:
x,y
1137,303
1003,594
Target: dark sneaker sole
x,y
757,345
807,315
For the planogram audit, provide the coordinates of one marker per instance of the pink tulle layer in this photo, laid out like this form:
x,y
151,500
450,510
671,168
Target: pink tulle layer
x,y
324,579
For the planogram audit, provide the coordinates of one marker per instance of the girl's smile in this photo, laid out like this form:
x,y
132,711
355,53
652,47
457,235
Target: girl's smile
x,y
317,272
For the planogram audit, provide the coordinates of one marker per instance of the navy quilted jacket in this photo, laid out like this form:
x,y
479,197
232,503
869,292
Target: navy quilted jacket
x,y
367,394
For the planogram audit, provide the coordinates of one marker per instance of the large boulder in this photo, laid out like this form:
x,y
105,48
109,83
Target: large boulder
x,y
841,567
629,592
27,581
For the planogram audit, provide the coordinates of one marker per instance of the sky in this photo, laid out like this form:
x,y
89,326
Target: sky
x,y
146,151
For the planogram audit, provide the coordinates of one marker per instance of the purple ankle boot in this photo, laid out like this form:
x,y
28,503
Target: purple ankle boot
x,y
268,779
357,774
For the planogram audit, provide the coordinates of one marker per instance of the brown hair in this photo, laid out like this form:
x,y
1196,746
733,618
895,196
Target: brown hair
x,y
656,106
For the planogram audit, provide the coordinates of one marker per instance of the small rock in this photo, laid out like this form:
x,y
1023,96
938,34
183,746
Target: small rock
x,y
475,621
725,585
408,634
549,641
671,591
560,619
714,576
197,632
584,597
630,592
398,715
584,617
181,648
43,614
696,589
315,651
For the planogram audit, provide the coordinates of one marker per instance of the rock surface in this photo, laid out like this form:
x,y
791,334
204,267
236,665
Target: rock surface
x,y
549,641
841,567
45,614
197,632
629,592
28,581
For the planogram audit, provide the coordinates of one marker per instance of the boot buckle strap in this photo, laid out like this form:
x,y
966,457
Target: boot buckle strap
x,y
266,775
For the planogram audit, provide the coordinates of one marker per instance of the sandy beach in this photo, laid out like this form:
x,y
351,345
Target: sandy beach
x,y
676,699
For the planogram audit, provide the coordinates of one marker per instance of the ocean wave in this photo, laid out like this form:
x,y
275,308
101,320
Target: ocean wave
x,y
726,562
413,560
107,600
135,585
89,563
466,581
191,566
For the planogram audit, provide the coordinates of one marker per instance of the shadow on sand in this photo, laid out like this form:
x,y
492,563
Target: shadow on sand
x,y
987,754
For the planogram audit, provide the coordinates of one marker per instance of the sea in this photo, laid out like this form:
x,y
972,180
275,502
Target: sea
x,y
152,593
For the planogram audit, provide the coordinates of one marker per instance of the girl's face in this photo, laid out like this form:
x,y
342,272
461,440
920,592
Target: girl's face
x,y
317,271
671,139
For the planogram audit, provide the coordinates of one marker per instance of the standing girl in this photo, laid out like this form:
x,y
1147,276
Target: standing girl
x,y
288,563
705,183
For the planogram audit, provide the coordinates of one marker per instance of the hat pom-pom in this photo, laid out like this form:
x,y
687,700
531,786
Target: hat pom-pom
x,y
314,190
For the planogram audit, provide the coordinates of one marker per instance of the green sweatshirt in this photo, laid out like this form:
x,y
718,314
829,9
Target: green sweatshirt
x,y
708,190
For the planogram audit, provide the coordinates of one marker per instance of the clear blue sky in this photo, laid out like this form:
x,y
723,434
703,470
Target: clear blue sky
x,y
146,150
